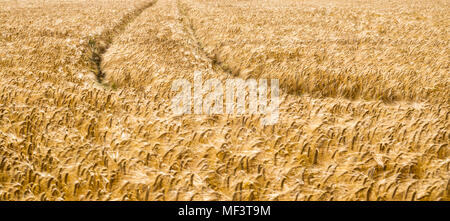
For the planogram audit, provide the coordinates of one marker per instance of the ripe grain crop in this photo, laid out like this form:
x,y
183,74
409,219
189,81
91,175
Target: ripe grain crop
x,y
86,91
332,48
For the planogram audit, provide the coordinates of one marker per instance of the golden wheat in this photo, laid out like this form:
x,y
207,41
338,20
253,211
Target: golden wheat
x,y
86,91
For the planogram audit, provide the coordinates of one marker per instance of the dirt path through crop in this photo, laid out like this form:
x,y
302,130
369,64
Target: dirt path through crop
x,y
100,43
315,141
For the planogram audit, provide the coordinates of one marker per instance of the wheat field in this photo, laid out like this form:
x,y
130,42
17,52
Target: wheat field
x,y
86,93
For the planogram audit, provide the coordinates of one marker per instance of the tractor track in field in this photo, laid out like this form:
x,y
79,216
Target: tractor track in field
x,y
224,67
190,30
216,63
98,45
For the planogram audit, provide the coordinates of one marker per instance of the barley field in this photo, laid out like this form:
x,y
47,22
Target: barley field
x,y
86,90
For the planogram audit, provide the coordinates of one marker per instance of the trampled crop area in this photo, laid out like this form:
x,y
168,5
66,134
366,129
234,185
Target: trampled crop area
x,y
86,92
